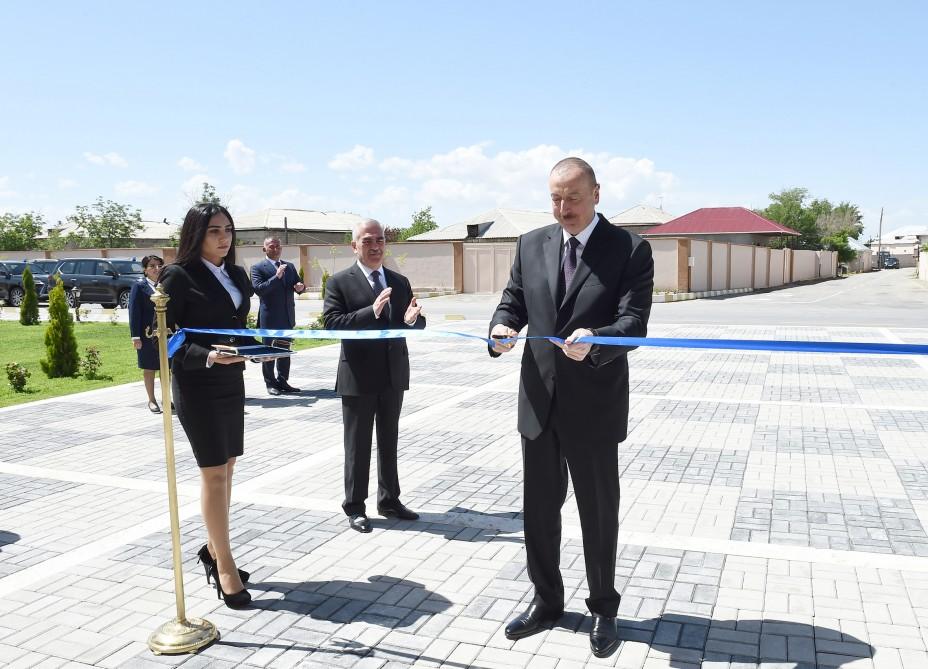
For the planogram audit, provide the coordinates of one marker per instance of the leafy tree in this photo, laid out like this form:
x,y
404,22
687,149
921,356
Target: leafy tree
x,y
60,343
29,309
852,213
422,221
106,223
208,194
18,231
821,224
788,208
56,241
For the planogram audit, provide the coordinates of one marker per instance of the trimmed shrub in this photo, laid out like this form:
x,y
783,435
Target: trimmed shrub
x,y
60,343
29,309
325,280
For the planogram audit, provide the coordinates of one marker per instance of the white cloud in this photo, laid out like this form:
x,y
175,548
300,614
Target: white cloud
x,y
65,183
189,165
240,158
469,179
458,184
136,188
112,159
294,198
243,199
193,186
356,159
292,166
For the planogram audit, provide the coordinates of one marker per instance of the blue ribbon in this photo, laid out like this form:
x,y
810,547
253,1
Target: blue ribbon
x,y
733,344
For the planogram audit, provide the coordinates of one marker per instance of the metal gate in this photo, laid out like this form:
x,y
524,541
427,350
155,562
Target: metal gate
x,y
486,266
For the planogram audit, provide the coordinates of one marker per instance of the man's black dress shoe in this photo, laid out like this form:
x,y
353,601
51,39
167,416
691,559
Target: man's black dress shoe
x,y
530,622
286,387
273,390
604,636
397,510
359,523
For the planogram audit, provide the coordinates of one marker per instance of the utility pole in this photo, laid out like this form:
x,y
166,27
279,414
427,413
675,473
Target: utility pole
x,y
879,243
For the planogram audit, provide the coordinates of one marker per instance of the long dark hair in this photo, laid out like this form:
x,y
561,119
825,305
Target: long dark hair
x,y
193,231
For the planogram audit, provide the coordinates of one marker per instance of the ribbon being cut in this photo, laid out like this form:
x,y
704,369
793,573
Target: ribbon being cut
x,y
731,344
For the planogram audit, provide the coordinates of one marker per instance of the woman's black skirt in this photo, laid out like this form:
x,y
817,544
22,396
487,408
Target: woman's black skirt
x,y
210,405
148,355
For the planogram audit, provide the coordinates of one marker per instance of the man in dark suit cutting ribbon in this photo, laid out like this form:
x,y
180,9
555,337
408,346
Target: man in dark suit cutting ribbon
x,y
275,281
582,276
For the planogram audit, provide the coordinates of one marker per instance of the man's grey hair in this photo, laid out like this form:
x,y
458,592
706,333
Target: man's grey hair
x,y
360,225
271,238
576,163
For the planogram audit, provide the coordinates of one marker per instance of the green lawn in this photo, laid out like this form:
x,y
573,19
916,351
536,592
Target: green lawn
x,y
26,345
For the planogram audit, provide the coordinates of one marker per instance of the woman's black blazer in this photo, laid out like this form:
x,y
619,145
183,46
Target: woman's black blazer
x,y
198,300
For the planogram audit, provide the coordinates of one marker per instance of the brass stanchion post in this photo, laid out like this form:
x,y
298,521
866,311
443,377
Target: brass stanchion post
x,y
180,635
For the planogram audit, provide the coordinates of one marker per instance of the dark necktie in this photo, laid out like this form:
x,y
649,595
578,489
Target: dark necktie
x,y
378,289
276,263
570,261
378,284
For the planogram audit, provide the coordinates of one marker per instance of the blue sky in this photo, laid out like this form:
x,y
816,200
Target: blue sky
x,y
381,108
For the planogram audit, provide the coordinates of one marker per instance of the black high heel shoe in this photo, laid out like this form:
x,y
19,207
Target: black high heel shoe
x,y
208,563
237,600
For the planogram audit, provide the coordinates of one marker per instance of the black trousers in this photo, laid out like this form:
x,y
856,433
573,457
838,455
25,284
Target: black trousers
x,y
359,413
283,366
594,470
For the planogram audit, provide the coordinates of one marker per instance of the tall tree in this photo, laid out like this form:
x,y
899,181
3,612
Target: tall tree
x,y
836,226
822,224
422,221
106,223
788,208
18,232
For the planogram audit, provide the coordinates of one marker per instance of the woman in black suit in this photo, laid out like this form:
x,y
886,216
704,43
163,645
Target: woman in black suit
x,y
208,290
141,315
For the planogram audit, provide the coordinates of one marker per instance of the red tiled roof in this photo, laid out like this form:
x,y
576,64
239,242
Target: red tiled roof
x,y
720,220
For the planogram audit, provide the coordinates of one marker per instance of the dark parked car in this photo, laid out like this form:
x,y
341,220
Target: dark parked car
x,y
4,282
43,266
11,281
891,263
105,281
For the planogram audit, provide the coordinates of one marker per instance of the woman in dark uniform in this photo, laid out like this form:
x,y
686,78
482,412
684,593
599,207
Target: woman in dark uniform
x,y
208,290
141,315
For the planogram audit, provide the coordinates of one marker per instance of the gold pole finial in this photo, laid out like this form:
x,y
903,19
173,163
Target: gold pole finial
x,y
180,635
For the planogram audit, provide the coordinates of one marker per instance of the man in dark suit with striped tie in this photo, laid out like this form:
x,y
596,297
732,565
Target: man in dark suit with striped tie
x,y
372,374
275,282
581,276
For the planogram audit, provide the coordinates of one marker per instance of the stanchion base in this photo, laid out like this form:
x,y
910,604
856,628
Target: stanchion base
x,y
176,637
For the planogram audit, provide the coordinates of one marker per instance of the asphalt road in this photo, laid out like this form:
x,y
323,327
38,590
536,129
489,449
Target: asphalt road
x,y
890,298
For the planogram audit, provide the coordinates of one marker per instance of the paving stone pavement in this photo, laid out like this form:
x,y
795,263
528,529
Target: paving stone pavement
x,y
774,514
